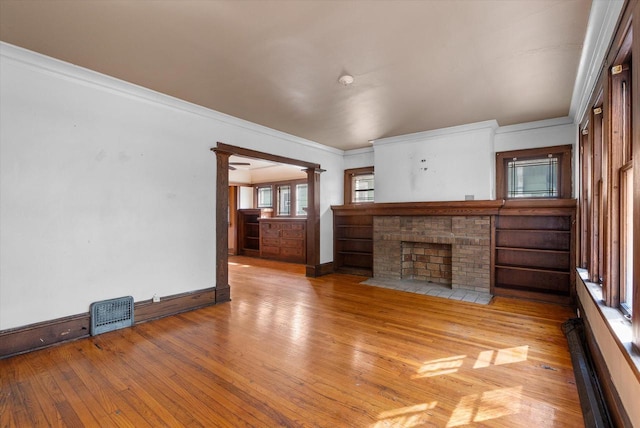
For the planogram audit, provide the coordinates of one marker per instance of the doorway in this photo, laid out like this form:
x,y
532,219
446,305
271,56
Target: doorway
x,y
223,153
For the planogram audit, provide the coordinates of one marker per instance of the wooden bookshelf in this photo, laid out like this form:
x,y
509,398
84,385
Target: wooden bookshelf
x,y
249,232
353,242
534,255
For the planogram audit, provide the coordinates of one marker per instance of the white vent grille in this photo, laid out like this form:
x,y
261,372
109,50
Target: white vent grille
x,y
112,314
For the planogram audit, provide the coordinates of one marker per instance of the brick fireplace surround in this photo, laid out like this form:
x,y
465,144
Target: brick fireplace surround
x,y
468,235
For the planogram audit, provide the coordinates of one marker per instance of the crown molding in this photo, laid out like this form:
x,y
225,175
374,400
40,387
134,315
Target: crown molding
x,y
443,132
539,124
603,20
68,71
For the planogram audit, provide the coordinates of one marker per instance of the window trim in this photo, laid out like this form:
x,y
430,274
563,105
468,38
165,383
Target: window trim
x,y
348,188
563,153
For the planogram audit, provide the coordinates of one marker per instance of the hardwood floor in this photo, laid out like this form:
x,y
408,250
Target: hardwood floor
x,y
320,352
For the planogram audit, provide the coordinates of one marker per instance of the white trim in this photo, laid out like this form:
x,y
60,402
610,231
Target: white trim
x,y
603,20
560,121
92,78
427,135
355,152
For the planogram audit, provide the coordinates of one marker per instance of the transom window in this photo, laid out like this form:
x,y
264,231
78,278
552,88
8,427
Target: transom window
x,y
532,178
534,173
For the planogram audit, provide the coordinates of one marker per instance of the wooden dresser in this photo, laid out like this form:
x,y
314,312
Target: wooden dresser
x,y
283,239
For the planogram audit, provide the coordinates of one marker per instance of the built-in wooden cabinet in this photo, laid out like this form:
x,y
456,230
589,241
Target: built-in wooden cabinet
x,y
249,232
283,239
534,252
353,242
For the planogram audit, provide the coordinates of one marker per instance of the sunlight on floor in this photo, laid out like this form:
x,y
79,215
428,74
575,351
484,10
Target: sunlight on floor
x,y
450,365
471,408
239,265
440,367
405,416
488,405
502,356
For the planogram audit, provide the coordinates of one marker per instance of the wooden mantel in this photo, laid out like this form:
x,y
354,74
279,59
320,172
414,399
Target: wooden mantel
x,y
483,207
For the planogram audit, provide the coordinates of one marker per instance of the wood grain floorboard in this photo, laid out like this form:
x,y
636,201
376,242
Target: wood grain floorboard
x,y
293,351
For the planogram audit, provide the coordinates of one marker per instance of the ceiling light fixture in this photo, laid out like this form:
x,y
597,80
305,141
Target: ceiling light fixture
x,y
346,79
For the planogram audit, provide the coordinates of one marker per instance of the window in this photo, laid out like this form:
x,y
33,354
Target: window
x,y
534,173
301,199
282,197
265,199
532,178
358,185
284,200
626,253
610,240
622,162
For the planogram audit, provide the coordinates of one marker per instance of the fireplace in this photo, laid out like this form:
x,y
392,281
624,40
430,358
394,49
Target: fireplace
x,y
423,261
398,242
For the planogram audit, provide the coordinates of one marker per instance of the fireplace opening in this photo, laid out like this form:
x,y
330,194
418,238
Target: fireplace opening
x,y
422,261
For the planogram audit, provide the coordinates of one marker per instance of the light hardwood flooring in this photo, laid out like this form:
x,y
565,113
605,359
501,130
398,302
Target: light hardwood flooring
x,y
294,351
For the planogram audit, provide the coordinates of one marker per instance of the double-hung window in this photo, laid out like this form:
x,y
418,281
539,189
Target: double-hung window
x,y
358,185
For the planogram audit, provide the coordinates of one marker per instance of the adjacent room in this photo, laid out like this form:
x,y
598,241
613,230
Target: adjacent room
x,y
320,213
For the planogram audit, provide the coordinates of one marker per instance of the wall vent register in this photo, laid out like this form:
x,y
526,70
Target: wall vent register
x,y
112,314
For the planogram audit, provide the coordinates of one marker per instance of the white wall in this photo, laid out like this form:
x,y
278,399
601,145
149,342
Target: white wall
x,y
245,199
359,158
545,133
108,189
441,165
459,161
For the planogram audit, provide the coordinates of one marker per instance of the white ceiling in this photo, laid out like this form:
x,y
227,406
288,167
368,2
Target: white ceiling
x,y
418,65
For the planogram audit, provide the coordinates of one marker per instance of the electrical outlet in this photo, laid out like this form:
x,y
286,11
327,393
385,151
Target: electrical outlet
x,y
156,299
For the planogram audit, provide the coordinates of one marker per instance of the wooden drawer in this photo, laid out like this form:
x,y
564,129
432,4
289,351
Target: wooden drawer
x,y
271,242
292,226
266,232
291,243
270,225
295,233
292,252
269,251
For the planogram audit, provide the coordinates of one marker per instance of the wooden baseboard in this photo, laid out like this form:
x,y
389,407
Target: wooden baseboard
x,y
47,333
148,310
314,271
43,334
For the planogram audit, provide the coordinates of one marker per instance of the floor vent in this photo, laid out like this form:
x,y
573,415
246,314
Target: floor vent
x,y
112,314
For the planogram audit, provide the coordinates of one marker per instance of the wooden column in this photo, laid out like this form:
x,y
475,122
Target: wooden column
x,y
223,291
313,222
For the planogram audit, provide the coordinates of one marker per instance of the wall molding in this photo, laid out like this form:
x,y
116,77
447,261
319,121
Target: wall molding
x,y
491,125
603,21
41,335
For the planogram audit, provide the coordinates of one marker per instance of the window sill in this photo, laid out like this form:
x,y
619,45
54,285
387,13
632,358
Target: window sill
x,y
618,324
